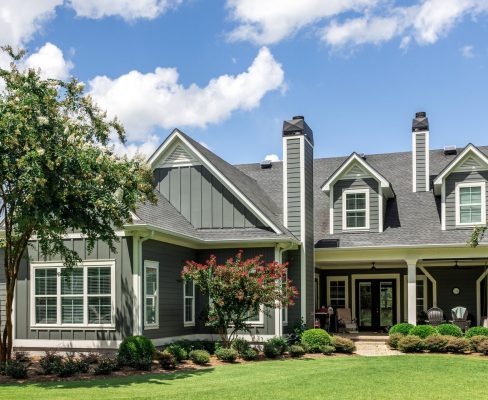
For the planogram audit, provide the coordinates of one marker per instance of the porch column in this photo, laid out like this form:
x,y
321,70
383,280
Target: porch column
x,y
412,292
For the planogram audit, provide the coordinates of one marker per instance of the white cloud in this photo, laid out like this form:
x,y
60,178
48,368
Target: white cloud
x,y
272,158
467,51
127,9
49,58
147,101
145,147
205,145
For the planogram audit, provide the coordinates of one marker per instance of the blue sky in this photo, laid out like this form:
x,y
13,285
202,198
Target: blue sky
x,y
357,69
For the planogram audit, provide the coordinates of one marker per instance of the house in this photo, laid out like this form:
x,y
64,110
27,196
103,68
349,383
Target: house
x,y
384,235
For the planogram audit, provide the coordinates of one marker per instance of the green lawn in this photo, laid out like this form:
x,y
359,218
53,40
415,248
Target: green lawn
x,y
397,377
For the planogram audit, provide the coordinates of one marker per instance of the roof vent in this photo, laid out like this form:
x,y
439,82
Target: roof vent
x,y
362,155
450,150
266,164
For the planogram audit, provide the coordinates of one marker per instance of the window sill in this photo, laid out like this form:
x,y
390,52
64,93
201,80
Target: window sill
x,y
151,327
188,324
73,327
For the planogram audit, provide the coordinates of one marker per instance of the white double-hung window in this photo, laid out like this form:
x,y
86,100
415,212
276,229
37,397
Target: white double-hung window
x,y
83,297
189,303
471,203
355,209
151,294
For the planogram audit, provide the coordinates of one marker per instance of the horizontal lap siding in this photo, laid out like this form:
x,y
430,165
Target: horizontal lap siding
x,y
420,140
293,186
309,228
171,259
123,294
366,183
451,180
202,199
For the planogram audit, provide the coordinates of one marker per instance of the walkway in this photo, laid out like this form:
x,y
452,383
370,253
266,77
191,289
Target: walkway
x,y
371,344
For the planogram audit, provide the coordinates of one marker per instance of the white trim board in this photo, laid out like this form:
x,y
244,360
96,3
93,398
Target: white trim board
x,y
148,264
478,297
345,192
345,279
422,278
482,186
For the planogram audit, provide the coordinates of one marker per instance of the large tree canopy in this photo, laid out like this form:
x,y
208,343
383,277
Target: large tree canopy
x,y
58,173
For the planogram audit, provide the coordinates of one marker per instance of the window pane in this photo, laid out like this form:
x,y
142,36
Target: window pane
x,y
188,310
151,280
150,310
72,310
99,280
46,310
470,214
189,288
465,195
46,281
72,284
99,310
356,219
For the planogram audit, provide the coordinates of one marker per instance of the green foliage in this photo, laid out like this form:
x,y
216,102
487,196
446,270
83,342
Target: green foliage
x,y
458,345
327,350
190,345
296,350
423,331
402,328
21,356
239,290
82,365
241,345
475,341
476,331
436,343
297,331
250,354
178,352
200,357
280,343
315,339
410,344
50,362
449,330
226,355
166,359
393,339
16,369
106,365
68,367
136,352
90,358
482,347
343,345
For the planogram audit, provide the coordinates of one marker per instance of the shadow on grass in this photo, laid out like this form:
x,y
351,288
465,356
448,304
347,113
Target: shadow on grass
x,y
123,381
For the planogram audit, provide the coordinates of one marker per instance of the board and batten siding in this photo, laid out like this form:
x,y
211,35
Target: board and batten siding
x,y
364,183
451,181
123,294
202,199
420,161
293,186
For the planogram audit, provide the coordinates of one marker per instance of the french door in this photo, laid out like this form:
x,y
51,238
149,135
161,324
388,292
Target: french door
x,y
375,303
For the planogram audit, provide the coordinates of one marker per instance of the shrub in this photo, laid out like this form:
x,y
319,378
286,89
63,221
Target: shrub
x,y
315,339
475,341
410,344
423,331
166,359
343,345
296,350
200,357
136,352
449,330
271,350
50,362
105,366
226,355
16,369
402,328
393,339
68,367
178,352
482,347
21,356
250,354
327,350
241,345
436,343
82,365
476,331
190,345
458,345
280,343
90,358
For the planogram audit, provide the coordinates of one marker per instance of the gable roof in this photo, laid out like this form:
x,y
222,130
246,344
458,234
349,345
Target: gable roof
x,y
470,149
352,160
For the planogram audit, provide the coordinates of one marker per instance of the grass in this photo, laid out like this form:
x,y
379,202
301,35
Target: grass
x,y
397,377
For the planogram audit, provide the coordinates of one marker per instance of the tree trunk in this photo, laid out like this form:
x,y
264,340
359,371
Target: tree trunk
x,y
6,342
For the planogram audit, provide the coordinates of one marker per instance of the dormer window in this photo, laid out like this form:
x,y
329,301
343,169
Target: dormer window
x,y
355,209
470,203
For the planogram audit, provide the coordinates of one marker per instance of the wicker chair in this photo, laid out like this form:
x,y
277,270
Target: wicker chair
x,y
460,317
435,316
345,320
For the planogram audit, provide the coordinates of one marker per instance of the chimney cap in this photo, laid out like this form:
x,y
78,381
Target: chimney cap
x,y
420,114
299,117
298,127
420,122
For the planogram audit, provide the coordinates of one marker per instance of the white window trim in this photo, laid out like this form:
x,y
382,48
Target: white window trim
x,y
192,322
344,213
259,321
460,185
346,288
422,278
59,265
151,264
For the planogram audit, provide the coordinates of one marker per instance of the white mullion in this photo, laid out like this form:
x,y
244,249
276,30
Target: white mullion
x,y
85,296
58,296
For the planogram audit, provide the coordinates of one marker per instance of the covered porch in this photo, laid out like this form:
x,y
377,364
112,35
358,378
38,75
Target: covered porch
x,y
382,287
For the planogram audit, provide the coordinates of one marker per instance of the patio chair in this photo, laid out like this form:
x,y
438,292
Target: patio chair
x,y
435,316
345,320
460,317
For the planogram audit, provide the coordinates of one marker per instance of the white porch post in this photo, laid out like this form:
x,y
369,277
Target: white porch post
x,y
412,292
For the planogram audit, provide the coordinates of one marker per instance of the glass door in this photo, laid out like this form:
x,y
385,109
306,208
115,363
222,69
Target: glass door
x,y
375,304
365,305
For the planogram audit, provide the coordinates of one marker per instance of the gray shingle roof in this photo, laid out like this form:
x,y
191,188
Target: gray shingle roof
x,y
411,218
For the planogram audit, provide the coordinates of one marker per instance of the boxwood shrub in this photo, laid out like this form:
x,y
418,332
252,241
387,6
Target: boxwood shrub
x,y
178,352
106,365
50,362
410,344
280,344
393,339
16,369
250,354
476,331
436,343
226,355
296,350
327,350
483,347
315,339
343,345
402,328
458,345
166,360
423,331
199,357
449,330
136,352
476,341
241,345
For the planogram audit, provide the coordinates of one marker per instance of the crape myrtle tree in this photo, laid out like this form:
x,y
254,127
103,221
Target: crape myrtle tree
x,y
238,289
477,235
58,174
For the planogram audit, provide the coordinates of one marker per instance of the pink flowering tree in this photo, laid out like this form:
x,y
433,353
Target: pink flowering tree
x,y
238,289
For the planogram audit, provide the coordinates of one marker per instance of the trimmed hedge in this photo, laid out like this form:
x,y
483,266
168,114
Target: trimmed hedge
x,y
436,343
483,347
458,345
423,331
393,340
402,328
241,345
166,360
250,354
476,331
343,345
315,339
449,330
177,351
327,350
136,352
476,341
226,355
410,344
296,350
199,357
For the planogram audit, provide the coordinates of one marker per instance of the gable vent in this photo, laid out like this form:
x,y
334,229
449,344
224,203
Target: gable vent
x,y
470,164
179,156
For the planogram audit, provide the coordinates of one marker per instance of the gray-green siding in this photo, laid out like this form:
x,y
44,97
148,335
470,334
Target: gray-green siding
x,y
451,181
123,294
309,229
421,161
202,199
293,186
366,183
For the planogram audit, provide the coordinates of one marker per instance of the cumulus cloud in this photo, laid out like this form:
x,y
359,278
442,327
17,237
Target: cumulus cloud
x,y
272,158
467,51
50,60
145,101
